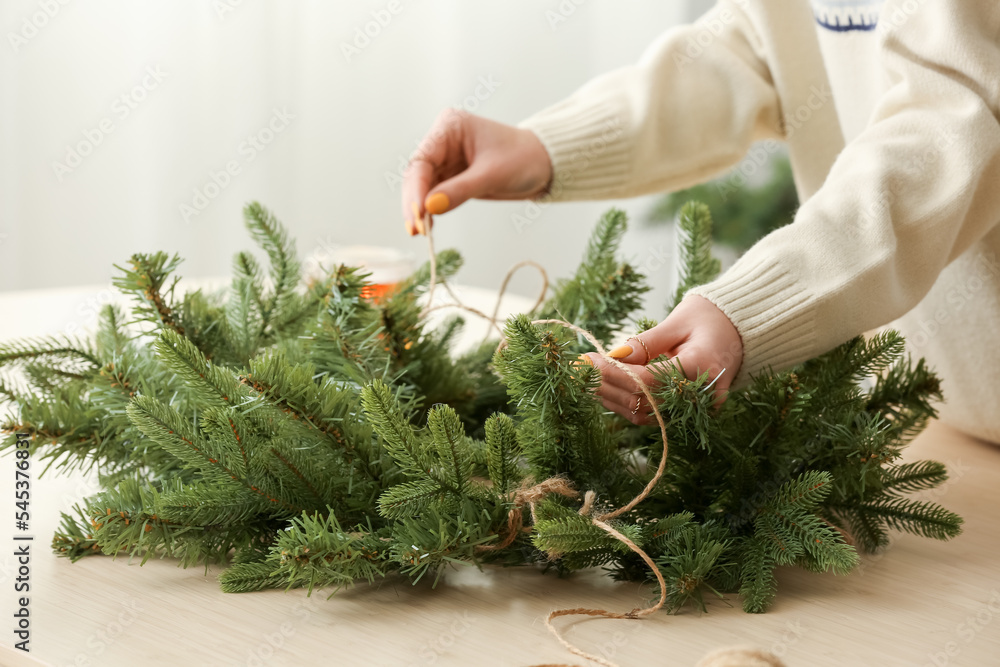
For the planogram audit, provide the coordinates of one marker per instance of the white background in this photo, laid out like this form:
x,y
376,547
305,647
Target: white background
x,y
325,175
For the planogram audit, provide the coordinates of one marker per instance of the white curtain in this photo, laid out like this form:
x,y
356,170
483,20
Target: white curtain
x,y
136,126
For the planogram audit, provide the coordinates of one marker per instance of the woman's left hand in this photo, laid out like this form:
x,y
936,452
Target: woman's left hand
x,y
696,333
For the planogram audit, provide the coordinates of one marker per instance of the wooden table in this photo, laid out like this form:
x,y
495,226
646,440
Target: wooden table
x,y
922,602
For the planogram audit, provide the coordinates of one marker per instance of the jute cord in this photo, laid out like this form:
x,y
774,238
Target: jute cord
x,y
530,493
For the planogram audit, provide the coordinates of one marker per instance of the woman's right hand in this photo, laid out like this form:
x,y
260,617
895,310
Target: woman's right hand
x,y
464,157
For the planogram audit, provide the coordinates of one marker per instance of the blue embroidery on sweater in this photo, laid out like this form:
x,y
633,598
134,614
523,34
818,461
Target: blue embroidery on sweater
x,y
847,15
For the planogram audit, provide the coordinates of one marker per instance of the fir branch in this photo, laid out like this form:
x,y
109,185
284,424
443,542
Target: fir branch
x,y
182,357
501,452
694,556
250,577
915,476
47,348
453,451
918,517
758,584
408,498
387,419
146,281
316,551
804,492
72,541
697,264
577,533
171,431
285,269
246,271
604,291
111,341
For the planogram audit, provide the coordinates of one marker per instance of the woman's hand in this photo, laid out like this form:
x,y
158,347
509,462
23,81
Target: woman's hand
x,y
696,333
464,156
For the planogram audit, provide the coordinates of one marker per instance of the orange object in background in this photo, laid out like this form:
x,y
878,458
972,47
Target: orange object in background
x,y
376,291
387,266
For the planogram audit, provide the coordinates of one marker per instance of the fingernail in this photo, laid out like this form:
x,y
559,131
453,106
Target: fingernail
x,y
409,227
417,221
620,352
437,203
584,359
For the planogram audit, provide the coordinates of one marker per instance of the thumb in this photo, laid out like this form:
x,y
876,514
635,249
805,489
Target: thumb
x,y
449,194
644,347
694,362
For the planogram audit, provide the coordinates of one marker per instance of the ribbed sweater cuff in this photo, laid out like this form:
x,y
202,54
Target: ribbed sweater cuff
x,y
587,145
774,314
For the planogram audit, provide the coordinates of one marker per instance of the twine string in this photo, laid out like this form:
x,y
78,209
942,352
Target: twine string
x,y
457,302
529,493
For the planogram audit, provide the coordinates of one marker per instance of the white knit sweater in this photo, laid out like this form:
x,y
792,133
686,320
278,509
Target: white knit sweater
x,y
890,112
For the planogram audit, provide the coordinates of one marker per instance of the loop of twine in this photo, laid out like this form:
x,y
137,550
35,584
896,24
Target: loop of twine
x,y
492,319
530,494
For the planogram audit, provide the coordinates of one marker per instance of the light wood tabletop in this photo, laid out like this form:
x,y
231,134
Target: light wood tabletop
x,y
922,602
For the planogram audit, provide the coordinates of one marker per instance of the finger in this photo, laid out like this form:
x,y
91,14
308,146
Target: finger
x,y
612,375
696,362
473,182
619,392
628,411
420,177
439,156
664,338
619,396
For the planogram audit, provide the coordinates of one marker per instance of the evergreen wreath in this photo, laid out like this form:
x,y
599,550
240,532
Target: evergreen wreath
x,y
308,435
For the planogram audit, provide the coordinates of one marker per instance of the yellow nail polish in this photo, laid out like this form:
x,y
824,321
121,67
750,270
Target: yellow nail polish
x,y
620,352
584,359
409,227
437,203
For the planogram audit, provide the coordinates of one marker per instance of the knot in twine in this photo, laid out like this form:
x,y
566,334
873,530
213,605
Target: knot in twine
x,y
530,494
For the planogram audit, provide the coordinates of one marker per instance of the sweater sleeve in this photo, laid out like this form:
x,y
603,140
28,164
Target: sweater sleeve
x,y
916,188
691,107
